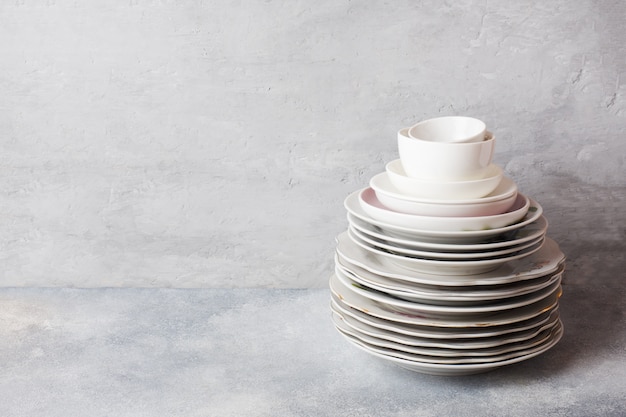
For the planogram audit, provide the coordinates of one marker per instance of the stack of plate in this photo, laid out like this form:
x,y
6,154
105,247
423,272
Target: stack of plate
x,y
443,295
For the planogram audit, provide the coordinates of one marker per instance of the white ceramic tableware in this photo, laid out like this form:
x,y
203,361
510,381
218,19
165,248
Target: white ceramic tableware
x,y
398,184
445,266
459,346
472,337
445,161
491,204
432,294
455,129
530,232
438,310
353,206
456,369
546,260
443,355
376,210
433,254
459,321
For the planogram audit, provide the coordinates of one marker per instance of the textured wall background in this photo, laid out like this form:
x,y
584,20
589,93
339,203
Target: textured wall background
x,y
211,143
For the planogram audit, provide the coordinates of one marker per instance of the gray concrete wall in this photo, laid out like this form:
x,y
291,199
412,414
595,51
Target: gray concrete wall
x,y
211,143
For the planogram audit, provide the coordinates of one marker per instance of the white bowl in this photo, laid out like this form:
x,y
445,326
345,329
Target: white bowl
x,y
443,189
449,129
445,161
392,199
377,211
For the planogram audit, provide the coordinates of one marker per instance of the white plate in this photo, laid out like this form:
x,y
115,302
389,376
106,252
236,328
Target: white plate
x,y
352,205
444,267
506,188
444,295
376,210
447,346
398,184
450,356
458,369
526,233
384,311
437,310
495,203
489,336
416,253
543,262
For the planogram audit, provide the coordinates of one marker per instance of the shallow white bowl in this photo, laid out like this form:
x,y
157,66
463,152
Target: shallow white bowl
x,y
390,198
445,161
376,210
443,189
455,129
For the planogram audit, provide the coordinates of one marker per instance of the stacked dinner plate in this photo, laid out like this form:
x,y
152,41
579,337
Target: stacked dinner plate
x,y
471,289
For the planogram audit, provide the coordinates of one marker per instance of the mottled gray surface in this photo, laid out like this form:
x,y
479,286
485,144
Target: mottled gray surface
x,y
256,352
211,144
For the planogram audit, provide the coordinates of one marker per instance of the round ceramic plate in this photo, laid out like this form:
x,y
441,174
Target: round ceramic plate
x,y
438,310
416,253
451,356
447,346
384,311
352,205
376,210
391,198
542,262
444,295
489,336
457,369
527,233
505,188
445,267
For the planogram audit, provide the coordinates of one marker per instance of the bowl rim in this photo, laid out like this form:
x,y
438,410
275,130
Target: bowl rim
x,y
490,137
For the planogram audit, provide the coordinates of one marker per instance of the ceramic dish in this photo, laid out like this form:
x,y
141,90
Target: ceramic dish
x,y
457,369
532,231
461,256
436,310
430,294
445,266
438,355
543,262
376,210
446,190
400,190
418,354
445,161
442,267
447,346
384,311
353,206
506,188
472,337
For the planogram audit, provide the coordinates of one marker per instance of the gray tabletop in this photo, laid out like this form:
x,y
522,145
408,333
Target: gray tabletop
x,y
256,352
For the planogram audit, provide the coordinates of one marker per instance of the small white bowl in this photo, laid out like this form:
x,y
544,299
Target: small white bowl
x,y
443,189
445,161
377,211
494,203
455,129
